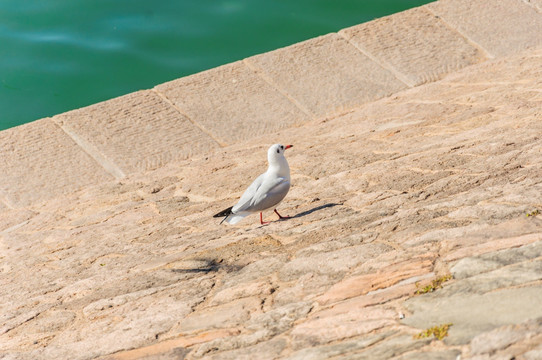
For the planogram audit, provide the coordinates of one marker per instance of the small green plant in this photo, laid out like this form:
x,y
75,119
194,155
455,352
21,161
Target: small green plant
x,y
439,332
533,213
434,285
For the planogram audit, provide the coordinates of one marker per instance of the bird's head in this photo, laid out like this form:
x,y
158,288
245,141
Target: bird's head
x,y
277,149
275,154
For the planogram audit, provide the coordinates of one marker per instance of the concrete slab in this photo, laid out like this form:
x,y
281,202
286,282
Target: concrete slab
x,y
135,132
502,27
416,44
233,103
39,162
326,75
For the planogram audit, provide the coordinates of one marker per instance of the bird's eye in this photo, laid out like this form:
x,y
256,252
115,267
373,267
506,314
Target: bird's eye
x,y
278,151
282,147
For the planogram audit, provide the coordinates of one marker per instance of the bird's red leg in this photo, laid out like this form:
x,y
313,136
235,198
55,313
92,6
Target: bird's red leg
x,y
280,216
261,220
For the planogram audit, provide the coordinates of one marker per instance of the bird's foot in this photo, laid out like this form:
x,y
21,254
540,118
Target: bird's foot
x,y
280,216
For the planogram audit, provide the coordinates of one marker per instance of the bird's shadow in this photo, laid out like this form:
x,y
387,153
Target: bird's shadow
x,y
318,208
211,265
304,213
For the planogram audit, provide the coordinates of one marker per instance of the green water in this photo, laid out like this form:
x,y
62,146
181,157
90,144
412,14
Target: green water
x,y
58,55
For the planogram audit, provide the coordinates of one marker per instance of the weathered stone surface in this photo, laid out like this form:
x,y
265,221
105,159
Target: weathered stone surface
x,y
36,168
470,266
437,179
331,262
384,278
416,54
134,133
265,350
390,348
329,351
175,348
232,103
537,4
222,316
324,329
508,342
432,355
326,75
472,313
500,27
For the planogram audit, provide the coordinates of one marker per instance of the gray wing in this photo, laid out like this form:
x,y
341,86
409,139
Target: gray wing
x,y
249,194
268,194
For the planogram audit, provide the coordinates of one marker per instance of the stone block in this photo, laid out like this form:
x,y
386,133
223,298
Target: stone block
x,y
332,263
222,316
40,162
327,327
472,313
416,44
471,266
382,279
390,348
233,103
135,133
328,351
432,355
501,28
326,75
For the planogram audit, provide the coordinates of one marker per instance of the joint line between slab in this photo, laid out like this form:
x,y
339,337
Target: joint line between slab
x,y
383,64
473,43
192,121
261,74
93,152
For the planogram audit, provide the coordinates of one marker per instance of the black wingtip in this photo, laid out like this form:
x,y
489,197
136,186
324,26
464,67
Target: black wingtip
x,y
224,212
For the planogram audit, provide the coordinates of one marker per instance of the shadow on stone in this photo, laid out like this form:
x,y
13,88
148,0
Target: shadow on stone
x,y
207,266
318,208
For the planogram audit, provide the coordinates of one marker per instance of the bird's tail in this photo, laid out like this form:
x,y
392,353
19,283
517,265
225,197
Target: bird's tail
x,y
232,220
224,213
230,217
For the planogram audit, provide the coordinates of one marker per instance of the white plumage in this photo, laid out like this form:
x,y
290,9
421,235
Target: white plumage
x,y
266,192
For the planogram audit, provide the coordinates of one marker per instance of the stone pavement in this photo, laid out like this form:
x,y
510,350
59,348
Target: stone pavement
x,y
427,167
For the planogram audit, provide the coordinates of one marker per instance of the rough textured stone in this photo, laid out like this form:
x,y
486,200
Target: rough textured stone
x,y
332,262
232,103
432,48
135,132
362,284
390,348
328,351
508,342
431,355
472,313
37,168
229,315
387,198
500,27
470,266
326,75
537,4
324,329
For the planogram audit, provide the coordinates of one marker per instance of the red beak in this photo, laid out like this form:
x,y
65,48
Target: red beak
x,y
288,146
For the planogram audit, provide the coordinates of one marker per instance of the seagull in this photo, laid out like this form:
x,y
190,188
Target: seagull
x,y
266,192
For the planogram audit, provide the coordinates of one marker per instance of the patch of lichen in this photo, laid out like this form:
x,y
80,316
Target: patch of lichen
x,y
439,332
434,285
533,213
